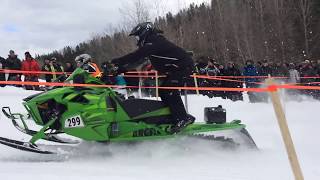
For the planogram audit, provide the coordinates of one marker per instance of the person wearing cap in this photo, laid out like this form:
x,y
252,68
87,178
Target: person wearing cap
x,y
30,64
53,66
13,63
46,68
57,67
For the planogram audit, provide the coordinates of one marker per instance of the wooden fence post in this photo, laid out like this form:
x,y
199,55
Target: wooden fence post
x,y
157,85
285,132
196,83
140,90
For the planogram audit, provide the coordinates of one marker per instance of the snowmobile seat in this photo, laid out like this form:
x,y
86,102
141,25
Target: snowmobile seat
x,y
137,107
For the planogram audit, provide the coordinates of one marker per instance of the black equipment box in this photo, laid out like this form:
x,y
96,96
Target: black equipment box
x,y
215,115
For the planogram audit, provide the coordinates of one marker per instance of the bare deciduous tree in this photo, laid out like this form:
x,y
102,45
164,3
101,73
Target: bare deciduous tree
x,y
237,30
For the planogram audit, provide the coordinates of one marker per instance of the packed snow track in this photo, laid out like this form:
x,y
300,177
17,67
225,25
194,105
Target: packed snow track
x,y
184,158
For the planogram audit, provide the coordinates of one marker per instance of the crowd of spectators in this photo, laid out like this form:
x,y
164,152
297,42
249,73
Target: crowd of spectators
x,y
31,68
230,75
253,75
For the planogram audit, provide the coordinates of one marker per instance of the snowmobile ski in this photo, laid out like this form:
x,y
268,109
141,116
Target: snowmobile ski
x,y
24,146
52,136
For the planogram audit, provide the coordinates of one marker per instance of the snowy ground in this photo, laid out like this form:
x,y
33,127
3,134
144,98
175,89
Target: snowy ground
x,y
176,159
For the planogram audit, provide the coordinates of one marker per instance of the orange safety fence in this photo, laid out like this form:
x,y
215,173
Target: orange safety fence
x,y
129,74
46,72
142,72
259,83
222,79
68,73
151,72
264,89
29,72
144,87
298,87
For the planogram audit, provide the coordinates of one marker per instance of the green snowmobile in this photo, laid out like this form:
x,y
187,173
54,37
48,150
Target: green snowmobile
x,y
102,115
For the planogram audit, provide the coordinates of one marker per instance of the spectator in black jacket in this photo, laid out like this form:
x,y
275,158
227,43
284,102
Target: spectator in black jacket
x,y
13,63
308,72
279,70
210,69
221,83
2,75
265,69
46,67
317,69
168,59
69,68
232,70
108,71
308,77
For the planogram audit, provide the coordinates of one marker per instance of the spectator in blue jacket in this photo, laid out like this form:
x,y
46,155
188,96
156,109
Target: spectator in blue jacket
x,y
251,70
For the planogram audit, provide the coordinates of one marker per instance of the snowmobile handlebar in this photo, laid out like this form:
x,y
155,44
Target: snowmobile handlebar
x,y
7,112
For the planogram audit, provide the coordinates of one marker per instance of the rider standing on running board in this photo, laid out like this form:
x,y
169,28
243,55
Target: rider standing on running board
x,y
167,59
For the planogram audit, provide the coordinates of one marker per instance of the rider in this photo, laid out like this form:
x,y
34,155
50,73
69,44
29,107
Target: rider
x,y
168,59
84,61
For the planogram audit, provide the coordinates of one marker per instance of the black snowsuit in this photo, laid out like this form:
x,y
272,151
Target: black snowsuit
x,y
265,71
279,71
309,71
13,63
234,96
209,71
168,59
46,67
2,75
70,69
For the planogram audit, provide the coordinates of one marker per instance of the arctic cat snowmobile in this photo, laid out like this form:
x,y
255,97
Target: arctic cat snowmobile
x,y
102,115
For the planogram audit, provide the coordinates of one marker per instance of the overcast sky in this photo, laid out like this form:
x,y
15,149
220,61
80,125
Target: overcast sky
x,y
41,26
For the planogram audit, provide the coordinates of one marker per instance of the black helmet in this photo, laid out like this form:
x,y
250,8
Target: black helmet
x,y
142,30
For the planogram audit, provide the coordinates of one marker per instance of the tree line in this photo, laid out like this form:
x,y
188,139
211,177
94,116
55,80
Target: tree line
x,y
226,30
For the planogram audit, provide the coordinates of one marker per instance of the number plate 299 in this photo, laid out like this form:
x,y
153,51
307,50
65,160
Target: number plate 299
x,y
73,122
